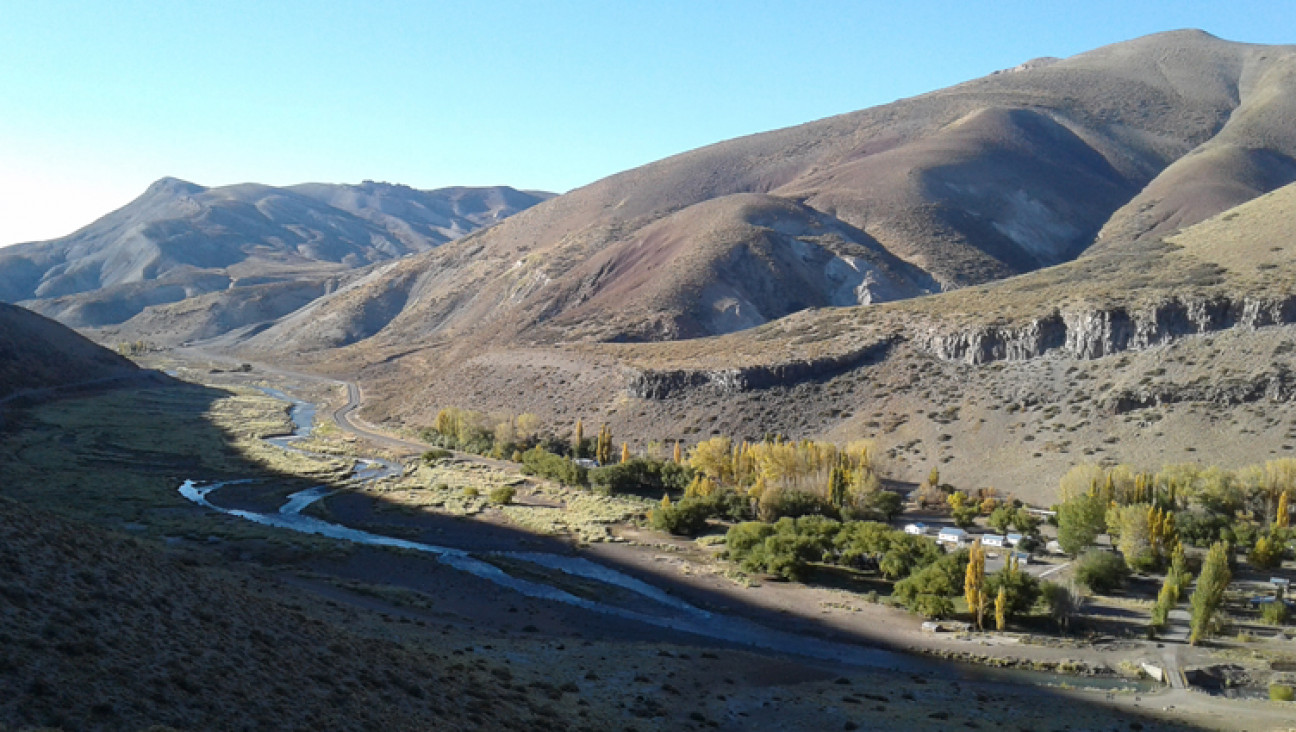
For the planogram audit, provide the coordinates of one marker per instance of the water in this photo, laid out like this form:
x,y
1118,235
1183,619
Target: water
x,y
661,609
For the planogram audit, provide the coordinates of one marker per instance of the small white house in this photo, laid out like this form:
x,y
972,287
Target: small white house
x,y
1281,582
951,535
1013,539
1023,558
1053,547
992,540
917,529
586,463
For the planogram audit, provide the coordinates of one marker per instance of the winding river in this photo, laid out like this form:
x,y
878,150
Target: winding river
x,y
654,606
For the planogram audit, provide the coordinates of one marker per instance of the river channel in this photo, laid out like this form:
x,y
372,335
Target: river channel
x,y
649,604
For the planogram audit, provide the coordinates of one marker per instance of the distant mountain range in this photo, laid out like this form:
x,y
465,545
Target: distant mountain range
x,y
278,246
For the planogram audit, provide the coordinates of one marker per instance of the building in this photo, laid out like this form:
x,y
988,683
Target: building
x,y
917,529
1013,539
951,535
992,540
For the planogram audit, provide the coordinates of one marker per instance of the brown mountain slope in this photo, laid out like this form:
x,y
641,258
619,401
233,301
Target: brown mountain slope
x,y
987,179
1153,354
38,353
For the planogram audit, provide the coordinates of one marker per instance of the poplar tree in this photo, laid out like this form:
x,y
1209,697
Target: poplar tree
x,y
1282,518
678,457
1001,609
625,452
974,583
1209,593
578,438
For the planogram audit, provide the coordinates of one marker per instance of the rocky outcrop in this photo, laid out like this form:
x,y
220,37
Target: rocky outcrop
x,y
662,384
1097,332
1276,386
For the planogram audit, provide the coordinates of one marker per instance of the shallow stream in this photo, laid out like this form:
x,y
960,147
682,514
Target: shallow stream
x,y
653,606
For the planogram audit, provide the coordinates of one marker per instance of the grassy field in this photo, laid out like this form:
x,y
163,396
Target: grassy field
x,y
117,458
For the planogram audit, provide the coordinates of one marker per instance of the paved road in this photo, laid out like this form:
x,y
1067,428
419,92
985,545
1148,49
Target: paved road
x,y
342,416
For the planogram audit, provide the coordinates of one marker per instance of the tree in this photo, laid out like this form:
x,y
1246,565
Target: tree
x,y
837,486
1135,534
974,583
1209,593
678,456
1001,519
625,452
1001,609
578,438
1267,553
1080,520
1101,571
1282,515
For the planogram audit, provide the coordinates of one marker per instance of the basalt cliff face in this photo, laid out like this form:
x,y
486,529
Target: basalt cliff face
x,y
1089,333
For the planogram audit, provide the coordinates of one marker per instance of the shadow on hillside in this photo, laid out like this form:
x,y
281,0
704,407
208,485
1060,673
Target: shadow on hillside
x,y
117,458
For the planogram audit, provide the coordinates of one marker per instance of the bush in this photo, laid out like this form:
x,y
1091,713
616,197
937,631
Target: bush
x,y
470,491
1101,571
1275,613
943,579
502,495
795,504
783,549
538,461
640,476
687,517
436,455
1281,692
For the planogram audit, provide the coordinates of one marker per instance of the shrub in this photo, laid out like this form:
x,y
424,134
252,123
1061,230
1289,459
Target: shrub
x,y
687,517
1275,613
470,491
436,455
538,461
1101,571
502,495
640,476
1281,692
794,504
943,578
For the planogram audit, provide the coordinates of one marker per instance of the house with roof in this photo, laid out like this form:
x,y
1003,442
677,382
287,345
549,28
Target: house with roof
x,y
952,535
917,529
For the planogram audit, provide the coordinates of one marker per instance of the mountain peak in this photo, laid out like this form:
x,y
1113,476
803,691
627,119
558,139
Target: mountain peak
x,y
173,186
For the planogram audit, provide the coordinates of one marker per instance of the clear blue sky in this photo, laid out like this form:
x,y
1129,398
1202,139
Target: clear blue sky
x,y
101,98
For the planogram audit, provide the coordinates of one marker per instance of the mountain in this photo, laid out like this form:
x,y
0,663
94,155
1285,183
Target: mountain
x,y
999,176
38,353
1164,313
278,246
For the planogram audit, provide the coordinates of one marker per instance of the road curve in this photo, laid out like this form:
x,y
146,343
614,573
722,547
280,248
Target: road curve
x,y
342,416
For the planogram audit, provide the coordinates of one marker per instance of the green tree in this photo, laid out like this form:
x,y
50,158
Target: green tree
x,y
1001,519
1080,520
1001,609
1209,593
1101,571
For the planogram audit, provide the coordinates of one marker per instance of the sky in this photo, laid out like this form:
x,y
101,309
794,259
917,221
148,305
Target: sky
x,y
99,99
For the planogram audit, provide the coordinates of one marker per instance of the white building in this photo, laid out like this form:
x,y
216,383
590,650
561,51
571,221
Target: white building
x,y
917,529
950,535
992,540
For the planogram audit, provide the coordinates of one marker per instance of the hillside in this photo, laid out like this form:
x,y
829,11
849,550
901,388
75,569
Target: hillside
x,y
1182,351
999,176
274,247
38,353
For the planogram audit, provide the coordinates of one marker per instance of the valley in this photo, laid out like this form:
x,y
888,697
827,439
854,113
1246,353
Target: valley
x,y
976,408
